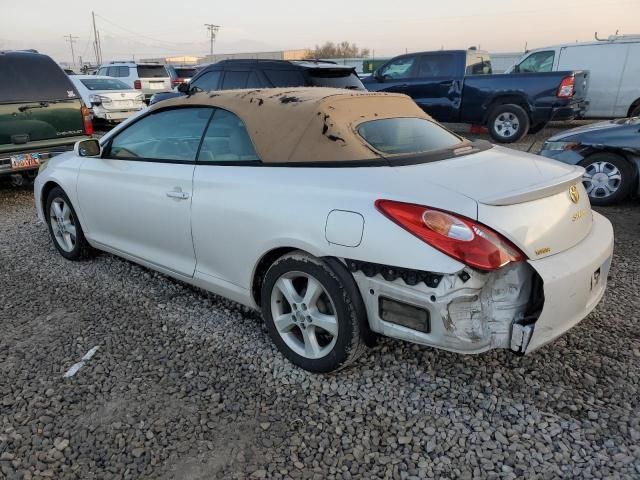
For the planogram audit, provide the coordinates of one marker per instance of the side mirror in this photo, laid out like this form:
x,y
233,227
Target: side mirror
x,y
515,69
87,148
378,76
184,88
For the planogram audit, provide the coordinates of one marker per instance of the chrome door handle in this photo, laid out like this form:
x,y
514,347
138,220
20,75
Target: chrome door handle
x,y
177,194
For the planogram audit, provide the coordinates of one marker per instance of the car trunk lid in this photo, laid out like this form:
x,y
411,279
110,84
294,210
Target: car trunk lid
x,y
121,100
537,203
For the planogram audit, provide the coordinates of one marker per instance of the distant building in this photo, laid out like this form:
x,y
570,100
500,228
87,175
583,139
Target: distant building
x,y
176,60
276,55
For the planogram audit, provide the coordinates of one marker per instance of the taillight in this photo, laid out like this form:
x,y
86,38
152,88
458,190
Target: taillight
x,y
469,242
177,81
86,121
566,88
137,85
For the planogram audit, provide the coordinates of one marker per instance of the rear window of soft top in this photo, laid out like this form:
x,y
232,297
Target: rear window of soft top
x,y
31,78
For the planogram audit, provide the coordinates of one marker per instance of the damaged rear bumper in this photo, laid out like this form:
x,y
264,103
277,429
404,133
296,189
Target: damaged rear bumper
x,y
521,306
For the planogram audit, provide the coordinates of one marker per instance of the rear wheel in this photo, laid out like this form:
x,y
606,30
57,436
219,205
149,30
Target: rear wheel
x,y
608,178
635,111
313,316
64,226
508,123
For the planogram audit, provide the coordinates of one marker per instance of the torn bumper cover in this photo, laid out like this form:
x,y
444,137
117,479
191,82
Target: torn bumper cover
x,y
521,306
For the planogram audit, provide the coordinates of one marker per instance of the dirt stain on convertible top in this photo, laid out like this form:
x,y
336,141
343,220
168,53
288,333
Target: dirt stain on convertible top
x,y
289,99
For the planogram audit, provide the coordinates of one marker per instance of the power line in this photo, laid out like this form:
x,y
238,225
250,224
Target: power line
x,y
213,31
71,39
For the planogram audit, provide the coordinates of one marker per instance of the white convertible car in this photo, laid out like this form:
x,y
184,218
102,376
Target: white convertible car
x,y
341,215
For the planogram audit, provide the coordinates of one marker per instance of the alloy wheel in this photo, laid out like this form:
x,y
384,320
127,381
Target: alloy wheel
x,y
63,224
506,124
601,179
304,315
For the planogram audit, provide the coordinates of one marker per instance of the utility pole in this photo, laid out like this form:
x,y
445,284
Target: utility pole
x,y
213,31
71,39
96,41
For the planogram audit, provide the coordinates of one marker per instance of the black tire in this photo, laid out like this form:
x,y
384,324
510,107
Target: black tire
x,y
508,123
81,248
635,111
602,162
340,296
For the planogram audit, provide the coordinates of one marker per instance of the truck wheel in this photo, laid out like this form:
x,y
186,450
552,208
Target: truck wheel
x,y
313,315
508,123
608,178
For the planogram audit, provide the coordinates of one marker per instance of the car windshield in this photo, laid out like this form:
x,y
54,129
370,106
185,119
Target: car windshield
x,y
152,71
104,84
406,135
336,78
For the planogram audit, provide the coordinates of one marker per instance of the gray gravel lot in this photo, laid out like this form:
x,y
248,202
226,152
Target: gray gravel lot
x,y
187,385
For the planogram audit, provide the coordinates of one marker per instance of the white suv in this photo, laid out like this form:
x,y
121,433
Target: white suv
x,y
149,78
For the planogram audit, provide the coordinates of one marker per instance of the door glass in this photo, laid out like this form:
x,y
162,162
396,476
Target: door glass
x,y
439,65
538,62
165,135
123,71
226,140
208,81
254,81
235,80
399,68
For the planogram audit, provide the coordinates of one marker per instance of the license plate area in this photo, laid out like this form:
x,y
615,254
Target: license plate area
x,y
25,160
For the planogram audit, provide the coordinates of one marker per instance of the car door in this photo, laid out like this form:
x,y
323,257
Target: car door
x,y
222,215
136,199
436,86
395,75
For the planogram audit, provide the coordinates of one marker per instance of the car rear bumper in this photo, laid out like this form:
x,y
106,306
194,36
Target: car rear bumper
x,y
569,112
472,312
574,282
44,153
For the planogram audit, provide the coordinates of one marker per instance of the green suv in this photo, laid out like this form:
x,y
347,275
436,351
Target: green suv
x,y
41,113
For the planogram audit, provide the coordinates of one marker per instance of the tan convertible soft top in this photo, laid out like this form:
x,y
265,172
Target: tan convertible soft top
x,y
305,124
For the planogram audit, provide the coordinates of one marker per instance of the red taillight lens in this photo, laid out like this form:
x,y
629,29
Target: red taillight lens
x,y
86,121
137,85
566,88
177,81
459,237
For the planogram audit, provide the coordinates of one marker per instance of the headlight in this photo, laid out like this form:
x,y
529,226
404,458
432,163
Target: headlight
x,y
559,145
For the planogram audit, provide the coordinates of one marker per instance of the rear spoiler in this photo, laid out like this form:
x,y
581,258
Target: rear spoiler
x,y
535,192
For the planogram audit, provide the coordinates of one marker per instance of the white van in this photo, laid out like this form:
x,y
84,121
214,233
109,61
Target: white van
x,y
614,88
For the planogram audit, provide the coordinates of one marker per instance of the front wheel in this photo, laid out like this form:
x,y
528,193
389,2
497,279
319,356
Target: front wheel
x,y
64,226
312,314
608,178
508,123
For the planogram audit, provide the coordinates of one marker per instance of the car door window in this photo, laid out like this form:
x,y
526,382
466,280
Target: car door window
x,y
235,80
112,71
123,71
399,68
172,135
226,140
438,65
537,62
208,81
254,81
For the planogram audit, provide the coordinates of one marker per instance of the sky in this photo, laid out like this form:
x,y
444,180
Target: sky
x,y
139,29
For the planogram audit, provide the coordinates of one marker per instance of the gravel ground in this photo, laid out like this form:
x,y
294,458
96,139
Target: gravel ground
x,y
187,385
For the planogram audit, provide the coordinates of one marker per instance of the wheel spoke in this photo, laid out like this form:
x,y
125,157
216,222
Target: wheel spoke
x,y
56,209
67,240
328,323
285,285
66,212
284,323
615,176
311,345
314,290
72,230
589,187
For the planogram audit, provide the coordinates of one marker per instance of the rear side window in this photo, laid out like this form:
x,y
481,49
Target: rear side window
x,y
235,80
208,81
226,140
118,72
285,78
152,71
32,77
396,136
166,135
336,78
438,65
103,71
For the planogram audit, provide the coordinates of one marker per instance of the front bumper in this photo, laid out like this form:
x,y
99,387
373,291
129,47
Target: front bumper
x,y
472,312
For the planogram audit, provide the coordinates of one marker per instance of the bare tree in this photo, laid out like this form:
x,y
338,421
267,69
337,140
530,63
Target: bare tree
x,y
337,50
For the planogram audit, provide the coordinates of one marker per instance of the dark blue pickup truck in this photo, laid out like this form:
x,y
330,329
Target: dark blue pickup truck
x,y
457,86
